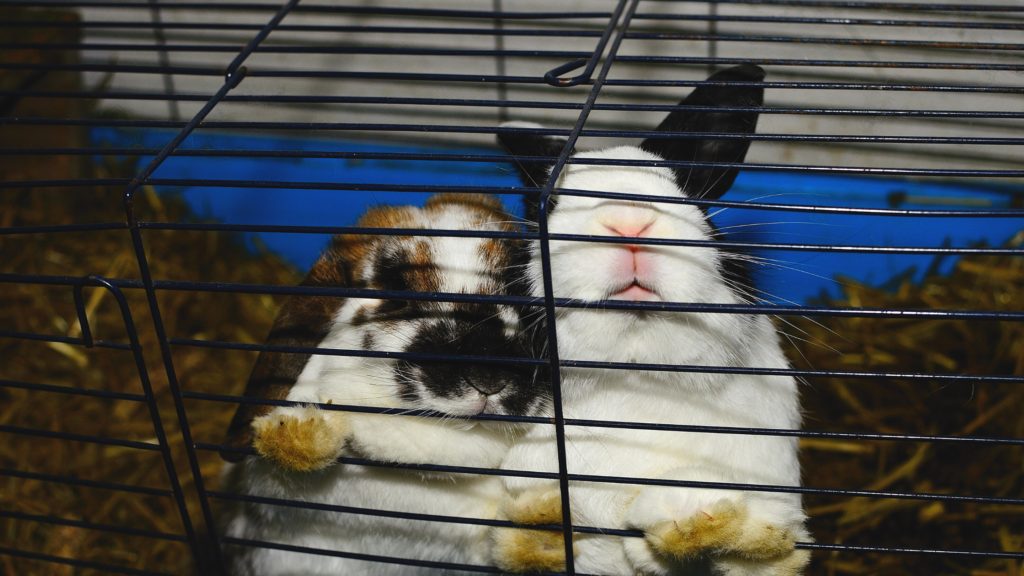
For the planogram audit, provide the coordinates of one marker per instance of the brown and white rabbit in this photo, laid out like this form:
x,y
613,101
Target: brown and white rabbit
x,y
298,446
686,530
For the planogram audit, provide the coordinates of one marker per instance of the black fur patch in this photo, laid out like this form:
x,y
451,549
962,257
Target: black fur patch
x,y
388,271
711,182
472,330
369,343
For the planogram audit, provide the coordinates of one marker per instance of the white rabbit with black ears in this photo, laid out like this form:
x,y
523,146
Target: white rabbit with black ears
x,y
686,530
298,446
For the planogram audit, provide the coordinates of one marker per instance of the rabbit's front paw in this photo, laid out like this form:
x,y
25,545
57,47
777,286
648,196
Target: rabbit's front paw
x,y
739,527
710,530
761,539
791,564
529,550
725,527
301,438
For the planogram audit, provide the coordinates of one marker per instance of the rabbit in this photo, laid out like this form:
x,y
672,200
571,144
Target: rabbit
x,y
298,446
706,530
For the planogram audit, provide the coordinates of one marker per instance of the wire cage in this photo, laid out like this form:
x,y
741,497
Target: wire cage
x,y
887,155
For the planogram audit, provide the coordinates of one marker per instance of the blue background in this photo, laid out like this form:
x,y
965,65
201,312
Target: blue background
x,y
786,277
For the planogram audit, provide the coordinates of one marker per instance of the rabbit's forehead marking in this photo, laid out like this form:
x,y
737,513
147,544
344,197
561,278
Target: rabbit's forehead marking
x,y
437,264
357,249
369,341
404,263
464,268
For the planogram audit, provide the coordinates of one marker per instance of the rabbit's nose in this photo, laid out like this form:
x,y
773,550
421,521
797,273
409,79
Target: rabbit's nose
x,y
488,386
629,229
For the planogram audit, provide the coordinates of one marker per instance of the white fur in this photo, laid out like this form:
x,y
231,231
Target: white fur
x,y
588,271
370,382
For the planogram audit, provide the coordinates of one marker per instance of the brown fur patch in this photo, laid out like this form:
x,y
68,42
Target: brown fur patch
x,y
700,534
361,317
496,252
526,550
421,275
309,440
354,248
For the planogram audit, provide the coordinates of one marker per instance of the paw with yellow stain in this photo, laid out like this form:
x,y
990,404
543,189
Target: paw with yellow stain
x,y
530,550
300,438
791,564
712,529
726,529
740,533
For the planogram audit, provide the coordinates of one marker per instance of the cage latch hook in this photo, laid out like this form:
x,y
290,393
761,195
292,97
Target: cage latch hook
x,y
83,318
552,76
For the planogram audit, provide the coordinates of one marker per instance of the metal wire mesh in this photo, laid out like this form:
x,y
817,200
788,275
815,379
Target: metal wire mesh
x,y
949,72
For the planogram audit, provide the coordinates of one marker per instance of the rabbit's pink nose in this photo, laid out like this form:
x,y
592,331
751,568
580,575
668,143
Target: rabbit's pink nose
x,y
629,229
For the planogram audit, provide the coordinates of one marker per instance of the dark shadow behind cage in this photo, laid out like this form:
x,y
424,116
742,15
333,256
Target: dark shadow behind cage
x,y
897,124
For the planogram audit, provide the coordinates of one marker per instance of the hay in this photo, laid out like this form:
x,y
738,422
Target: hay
x,y
172,255
26,308
900,406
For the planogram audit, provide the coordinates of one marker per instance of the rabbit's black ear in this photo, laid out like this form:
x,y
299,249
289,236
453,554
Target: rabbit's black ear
x,y
521,145
711,182
534,174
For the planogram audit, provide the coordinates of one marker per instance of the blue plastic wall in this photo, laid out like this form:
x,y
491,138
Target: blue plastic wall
x,y
785,276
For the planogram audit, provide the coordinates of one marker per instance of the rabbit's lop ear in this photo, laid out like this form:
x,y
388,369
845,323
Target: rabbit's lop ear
x,y
711,182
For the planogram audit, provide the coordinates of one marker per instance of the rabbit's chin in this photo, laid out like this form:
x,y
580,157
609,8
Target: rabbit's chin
x,y
653,337
635,292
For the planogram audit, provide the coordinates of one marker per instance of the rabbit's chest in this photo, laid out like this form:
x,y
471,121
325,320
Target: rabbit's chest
x,y
653,337
738,402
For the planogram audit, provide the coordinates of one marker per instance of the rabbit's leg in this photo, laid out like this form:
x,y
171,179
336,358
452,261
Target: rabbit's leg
x,y
301,438
525,549
739,530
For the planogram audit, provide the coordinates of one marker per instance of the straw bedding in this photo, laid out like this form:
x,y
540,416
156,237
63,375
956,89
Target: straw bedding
x,y
50,310
921,407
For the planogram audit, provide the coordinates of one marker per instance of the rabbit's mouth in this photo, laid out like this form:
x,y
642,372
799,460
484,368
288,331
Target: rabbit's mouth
x,y
635,292
468,405
489,407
